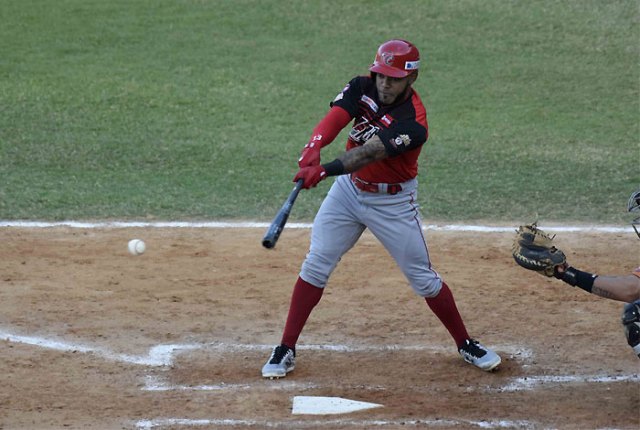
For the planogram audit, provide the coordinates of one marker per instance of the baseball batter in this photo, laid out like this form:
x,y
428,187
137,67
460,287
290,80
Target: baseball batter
x,y
375,188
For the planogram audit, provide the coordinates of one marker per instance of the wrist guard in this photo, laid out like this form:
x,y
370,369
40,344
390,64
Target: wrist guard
x,y
334,168
578,278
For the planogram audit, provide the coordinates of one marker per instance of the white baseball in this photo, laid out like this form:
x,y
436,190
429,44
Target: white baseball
x,y
137,246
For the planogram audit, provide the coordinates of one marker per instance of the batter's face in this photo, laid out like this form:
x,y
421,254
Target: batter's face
x,y
390,89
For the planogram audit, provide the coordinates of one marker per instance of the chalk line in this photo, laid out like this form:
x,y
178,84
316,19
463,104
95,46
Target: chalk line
x,y
161,384
164,355
157,383
530,382
293,225
429,422
160,355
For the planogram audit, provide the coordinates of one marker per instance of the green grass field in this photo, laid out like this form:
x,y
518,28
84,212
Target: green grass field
x,y
194,109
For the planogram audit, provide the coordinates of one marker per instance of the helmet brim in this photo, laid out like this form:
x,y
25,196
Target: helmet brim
x,y
389,71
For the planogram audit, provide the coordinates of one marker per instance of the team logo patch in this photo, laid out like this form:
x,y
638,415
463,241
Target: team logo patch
x,y
403,139
370,103
411,65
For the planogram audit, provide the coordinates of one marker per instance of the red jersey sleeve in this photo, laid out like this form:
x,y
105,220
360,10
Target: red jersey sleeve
x,y
328,128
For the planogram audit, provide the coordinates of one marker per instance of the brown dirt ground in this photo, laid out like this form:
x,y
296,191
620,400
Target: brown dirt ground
x,y
220,290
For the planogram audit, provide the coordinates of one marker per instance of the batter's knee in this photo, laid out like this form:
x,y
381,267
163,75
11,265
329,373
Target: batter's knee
x,y
314,279
316,270
428,288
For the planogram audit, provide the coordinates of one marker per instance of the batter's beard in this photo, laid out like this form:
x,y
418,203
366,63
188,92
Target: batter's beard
x,y
400,98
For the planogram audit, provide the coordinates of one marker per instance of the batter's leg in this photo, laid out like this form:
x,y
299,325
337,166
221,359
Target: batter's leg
x,y
408,246
304,298
400,231
398,227
336,229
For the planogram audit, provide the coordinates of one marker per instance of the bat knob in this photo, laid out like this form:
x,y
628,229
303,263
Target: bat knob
x,y
268,244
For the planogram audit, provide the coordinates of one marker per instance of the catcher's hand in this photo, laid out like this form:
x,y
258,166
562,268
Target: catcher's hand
x,y
533,250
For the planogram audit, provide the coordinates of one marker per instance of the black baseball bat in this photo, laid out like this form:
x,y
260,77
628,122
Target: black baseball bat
x,y
277,225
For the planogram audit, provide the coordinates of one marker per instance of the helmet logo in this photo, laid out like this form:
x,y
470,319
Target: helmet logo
x,y
387,58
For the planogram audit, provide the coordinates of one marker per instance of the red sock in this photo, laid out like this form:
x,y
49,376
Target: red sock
x,y
444,306
304,298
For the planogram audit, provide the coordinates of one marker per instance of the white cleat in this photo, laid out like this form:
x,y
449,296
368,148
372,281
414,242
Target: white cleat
x,y
281,362
475,353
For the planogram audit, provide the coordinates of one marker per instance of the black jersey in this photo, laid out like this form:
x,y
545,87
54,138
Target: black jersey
x,y
402,127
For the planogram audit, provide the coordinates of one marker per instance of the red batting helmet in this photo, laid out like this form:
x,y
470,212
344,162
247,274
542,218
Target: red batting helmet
x,y
396,58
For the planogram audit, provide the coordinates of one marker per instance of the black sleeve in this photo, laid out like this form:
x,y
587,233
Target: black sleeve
x,y
402,137
348,98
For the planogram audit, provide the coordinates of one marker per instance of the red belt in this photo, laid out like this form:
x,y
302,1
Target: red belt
x,y
372,187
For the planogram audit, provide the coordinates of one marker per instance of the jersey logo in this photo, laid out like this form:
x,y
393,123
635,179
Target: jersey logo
x,y
387,120
372,105
363,131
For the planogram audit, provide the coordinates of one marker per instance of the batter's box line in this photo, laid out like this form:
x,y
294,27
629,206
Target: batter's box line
x,y
158,356
532,382
158,383
299,424
164,355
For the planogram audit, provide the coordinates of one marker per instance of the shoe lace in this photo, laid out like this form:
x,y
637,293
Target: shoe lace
x,y
278,354
473,347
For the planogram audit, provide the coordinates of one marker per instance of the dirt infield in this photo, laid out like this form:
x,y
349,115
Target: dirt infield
x,y
93,337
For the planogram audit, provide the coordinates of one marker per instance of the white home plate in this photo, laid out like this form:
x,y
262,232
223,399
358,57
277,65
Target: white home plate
x,y
313,405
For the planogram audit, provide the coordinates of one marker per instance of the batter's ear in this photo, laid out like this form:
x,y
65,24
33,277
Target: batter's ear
x,y
413,77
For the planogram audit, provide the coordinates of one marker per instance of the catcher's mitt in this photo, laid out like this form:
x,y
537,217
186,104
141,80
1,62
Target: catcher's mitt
x,y
533,250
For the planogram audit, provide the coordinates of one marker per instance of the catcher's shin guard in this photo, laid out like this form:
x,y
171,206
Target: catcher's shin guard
x,y
631,323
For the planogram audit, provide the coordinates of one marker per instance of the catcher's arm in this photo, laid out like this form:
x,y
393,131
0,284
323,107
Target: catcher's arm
x,y
622,288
